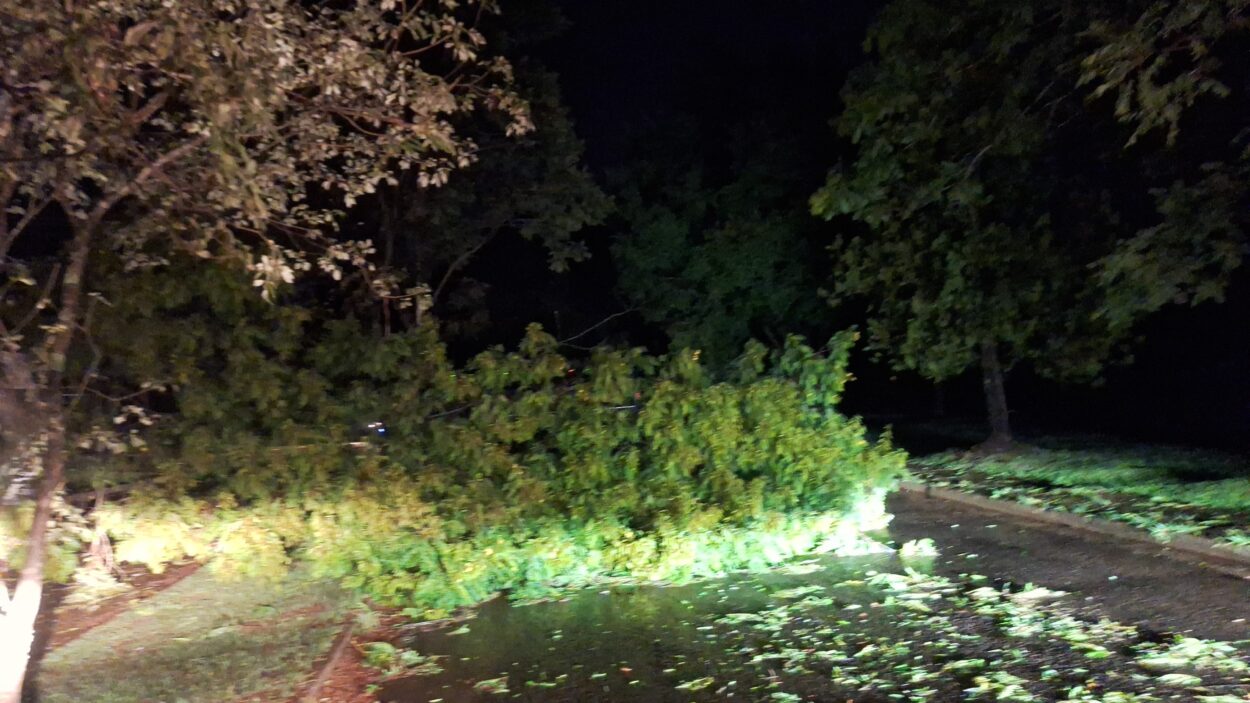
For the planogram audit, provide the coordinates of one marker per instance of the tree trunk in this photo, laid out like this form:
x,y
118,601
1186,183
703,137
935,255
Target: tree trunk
x,y
17,626
995,399
17,634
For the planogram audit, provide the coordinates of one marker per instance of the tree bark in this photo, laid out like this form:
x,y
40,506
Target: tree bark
x,y
995,399
17,627
18,632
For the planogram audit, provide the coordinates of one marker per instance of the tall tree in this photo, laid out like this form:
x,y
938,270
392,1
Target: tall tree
x,y
958,257
229,130
989,231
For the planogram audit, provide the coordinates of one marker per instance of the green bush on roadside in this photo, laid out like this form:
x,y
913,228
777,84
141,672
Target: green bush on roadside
x,y
523,473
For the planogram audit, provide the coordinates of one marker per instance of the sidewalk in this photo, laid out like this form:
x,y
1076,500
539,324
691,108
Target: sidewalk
x,y
200,641
1146,585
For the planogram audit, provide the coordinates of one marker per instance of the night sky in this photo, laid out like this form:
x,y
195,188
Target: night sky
x,y
627,63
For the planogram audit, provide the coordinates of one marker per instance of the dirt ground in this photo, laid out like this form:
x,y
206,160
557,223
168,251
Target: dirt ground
x,y
1148,586
348,680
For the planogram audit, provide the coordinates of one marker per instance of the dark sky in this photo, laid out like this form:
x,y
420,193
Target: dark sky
x,y
627,62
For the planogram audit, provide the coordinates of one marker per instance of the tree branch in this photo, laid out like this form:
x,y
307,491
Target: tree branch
x,y
458,264
143,176
46,295
597,325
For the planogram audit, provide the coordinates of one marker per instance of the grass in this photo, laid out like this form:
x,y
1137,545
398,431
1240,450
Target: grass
x,y
1165,490
201,641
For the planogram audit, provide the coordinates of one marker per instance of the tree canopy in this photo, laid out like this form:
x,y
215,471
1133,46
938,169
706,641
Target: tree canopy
x,y
1157,65
980,237
716,256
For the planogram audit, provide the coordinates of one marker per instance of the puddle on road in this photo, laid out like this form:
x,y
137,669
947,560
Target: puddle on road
x,y
865,629
643,643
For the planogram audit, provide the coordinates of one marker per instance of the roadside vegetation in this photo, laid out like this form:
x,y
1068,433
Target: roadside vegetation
x,y
1167,491
520,472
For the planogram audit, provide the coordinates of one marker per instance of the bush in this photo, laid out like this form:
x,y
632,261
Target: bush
x,y
384,541
518,472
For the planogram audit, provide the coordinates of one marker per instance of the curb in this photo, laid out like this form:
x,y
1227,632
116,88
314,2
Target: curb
x,y
1212,554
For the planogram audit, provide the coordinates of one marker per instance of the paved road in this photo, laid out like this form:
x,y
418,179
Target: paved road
x,y
1148,586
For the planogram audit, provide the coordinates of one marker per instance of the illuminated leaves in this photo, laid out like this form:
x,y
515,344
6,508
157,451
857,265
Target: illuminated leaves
x,y
227,126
